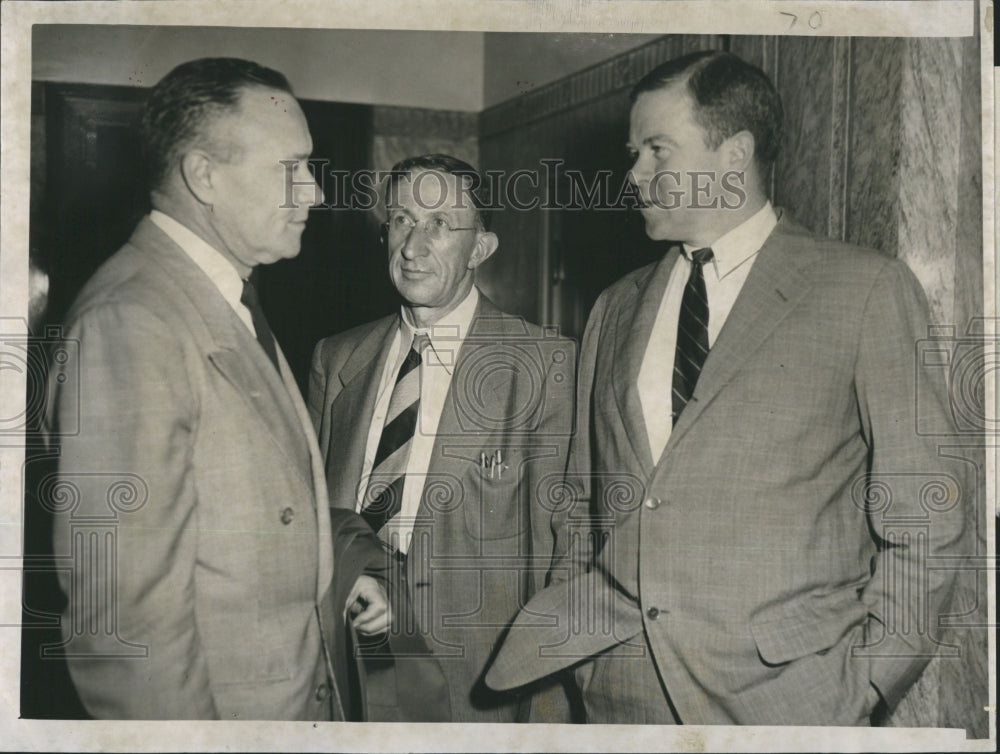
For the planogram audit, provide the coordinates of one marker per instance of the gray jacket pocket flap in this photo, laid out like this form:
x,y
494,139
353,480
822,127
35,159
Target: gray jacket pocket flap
x,y
805,625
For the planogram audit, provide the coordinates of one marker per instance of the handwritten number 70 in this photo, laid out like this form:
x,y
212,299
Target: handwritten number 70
x,y
814,21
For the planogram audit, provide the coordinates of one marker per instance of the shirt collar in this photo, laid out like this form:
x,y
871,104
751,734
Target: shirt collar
x,y
218,269
448,333
742,242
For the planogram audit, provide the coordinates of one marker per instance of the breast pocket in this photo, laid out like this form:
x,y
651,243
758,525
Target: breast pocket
x,y
496,504
486,494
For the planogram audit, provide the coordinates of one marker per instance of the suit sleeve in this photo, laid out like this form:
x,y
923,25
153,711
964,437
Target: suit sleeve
x,y
356,550
906,593
133,645
574,539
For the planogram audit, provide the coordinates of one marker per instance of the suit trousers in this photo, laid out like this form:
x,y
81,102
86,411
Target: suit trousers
x,y
622,686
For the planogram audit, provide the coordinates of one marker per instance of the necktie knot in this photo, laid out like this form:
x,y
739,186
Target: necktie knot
x,y
701,256
420,342
249,297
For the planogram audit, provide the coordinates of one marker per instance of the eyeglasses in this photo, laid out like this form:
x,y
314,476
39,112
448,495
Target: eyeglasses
x,y
435,228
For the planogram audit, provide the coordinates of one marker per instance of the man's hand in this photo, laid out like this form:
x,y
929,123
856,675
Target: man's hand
x,y
369,606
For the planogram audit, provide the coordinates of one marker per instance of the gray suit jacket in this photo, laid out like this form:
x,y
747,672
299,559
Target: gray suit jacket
x,y
197,509
770,586
481,546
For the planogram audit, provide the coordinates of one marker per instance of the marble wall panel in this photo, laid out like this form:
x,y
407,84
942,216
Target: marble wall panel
x,y
874,143
930,125
388,150
400,132
803,169
969,243
964,680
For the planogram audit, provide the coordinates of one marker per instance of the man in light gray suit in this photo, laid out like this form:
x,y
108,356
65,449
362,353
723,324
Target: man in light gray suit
x,y
209,578
756,391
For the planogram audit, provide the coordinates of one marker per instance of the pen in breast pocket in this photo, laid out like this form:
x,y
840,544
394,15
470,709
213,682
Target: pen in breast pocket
x,y
494,462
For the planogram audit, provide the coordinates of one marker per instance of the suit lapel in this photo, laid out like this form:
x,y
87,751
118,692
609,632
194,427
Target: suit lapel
x,y
634,328
774,287
235,352
324,572
451,459
267,396
351,415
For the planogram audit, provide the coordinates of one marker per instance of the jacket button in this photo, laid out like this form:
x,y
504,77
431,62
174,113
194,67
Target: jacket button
x,y
652,503
322,692
287,515
653,613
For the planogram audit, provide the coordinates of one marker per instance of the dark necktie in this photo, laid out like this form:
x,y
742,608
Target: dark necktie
x,y
692,333
384,495
265,337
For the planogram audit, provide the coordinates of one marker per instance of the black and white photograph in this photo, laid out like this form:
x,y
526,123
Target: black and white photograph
x,y
368,373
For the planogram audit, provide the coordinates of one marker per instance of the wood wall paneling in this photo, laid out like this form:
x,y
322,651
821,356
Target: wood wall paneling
x,y
582,121
93,186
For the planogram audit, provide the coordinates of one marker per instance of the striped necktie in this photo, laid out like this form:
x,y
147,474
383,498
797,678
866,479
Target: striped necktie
x,y
384,495
692,333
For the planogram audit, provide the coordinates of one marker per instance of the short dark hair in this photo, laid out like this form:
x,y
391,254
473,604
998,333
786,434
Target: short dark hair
x,y
188,99
729,95
444,163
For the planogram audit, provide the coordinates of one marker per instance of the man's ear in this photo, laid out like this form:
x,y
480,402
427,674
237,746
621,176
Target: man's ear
x,y
197,172
486,244
739,150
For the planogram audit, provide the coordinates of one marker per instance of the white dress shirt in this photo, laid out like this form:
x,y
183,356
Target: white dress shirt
x,y
438,365
218,269
733,256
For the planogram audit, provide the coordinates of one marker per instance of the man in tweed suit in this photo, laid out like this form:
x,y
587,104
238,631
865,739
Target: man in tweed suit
x,y
210,579
752,576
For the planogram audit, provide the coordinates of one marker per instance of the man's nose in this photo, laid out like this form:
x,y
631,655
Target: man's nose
x,y
640,172
308,191
412,243
316,196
